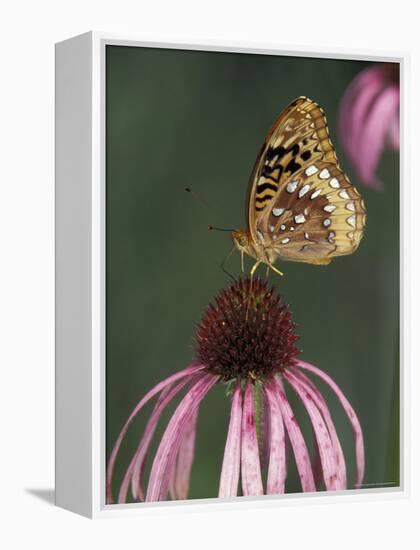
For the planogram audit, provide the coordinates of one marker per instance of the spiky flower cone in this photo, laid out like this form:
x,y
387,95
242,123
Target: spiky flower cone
x,y
247,332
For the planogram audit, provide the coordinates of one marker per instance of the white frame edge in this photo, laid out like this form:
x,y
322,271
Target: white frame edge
x,y
80,280
73,203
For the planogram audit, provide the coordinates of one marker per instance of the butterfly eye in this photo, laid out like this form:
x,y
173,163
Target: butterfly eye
x,y
240,238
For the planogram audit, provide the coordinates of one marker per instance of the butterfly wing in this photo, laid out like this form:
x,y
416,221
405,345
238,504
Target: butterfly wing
x,y
316,216
297,155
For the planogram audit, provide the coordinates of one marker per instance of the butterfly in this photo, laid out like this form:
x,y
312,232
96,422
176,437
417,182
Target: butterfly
x,y
301,205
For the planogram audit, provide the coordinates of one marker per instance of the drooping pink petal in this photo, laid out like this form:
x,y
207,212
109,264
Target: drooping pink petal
x,y
316,463
180,482
394,131
371,77
154,391
266,433
355,106
232,457
250,456
328,458
297,442
374,134
166,454
320,402
354,421
276,476
136,466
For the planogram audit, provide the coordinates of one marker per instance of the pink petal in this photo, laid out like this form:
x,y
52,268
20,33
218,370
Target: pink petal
x,y
181,476
375,132
371,76
266,432
158,388
320,402
135,469
250,459
276,476
329,465
355,105
164,461
394,131
316,463
300,450
357,429
232,457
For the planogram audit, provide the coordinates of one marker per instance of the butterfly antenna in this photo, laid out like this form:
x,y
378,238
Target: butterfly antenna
x,y
200,199
214,228
207,206
197,197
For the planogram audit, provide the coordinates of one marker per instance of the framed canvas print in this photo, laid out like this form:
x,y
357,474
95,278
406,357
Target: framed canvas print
x,y
228,257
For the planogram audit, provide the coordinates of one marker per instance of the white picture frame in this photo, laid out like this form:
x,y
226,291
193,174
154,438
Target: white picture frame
x,y
80,278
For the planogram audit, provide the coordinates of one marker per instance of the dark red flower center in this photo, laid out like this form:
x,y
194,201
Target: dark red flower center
x,y
247,332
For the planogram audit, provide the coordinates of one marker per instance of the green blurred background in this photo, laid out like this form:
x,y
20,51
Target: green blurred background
x,y
187,118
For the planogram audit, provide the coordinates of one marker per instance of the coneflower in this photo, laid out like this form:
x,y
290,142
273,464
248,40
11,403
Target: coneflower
x,y
246,338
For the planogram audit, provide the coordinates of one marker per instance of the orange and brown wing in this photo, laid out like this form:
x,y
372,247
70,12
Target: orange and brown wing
x,y
314,217
299,136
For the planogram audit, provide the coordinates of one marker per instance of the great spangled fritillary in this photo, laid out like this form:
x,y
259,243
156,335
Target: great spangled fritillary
x,y
301,206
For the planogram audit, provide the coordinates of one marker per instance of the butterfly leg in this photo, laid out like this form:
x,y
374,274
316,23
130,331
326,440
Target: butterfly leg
x,y
223,264
254,268
268,261
271,266
251,275
242,261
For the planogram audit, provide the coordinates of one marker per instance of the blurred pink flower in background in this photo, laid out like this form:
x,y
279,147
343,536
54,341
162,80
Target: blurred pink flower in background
x,y
369,119
246,338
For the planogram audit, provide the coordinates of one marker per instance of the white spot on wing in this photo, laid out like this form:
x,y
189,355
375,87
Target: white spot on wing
x,y
291,186
304,190
282,227
286,240
300,218
260,236
315,194
334,183
327,222
277,212
272,228
350,206
330,208
343,194
311,170
352,221
324,174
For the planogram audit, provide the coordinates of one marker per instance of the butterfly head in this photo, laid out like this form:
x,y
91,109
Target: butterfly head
x,y
242,240
246,245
